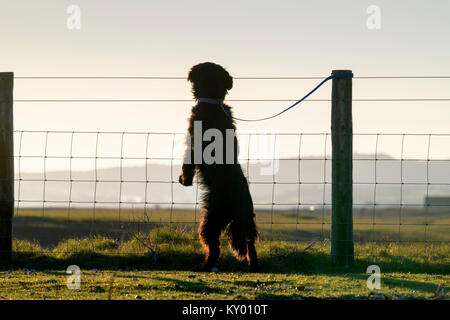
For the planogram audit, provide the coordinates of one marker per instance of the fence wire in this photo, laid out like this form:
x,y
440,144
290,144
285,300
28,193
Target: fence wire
x,y
79,184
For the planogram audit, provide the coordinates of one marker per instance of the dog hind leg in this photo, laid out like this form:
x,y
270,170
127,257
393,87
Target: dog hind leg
x,y
209,233
252,258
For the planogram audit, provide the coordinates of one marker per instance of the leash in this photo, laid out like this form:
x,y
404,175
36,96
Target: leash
x,y
333,76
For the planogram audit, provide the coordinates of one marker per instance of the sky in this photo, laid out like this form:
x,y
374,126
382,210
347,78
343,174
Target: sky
x,y
250,39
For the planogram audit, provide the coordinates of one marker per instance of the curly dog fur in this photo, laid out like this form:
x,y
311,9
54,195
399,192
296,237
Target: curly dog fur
x,y
227,204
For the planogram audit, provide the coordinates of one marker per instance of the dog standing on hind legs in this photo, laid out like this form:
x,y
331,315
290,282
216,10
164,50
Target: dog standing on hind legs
x,y
227,205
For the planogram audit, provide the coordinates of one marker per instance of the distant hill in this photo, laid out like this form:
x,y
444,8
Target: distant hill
x,y
286,192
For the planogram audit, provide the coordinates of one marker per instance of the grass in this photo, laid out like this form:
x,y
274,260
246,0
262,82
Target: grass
x,y
51,225
124,269
106,284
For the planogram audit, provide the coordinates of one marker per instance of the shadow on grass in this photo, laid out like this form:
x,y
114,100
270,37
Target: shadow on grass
x,y
412,285
189,286
173,259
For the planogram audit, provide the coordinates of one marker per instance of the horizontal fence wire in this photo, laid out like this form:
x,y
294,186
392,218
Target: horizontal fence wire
x,y
228,100
237,78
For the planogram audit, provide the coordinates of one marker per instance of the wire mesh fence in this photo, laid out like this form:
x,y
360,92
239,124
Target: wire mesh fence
x,y
79,184
88,184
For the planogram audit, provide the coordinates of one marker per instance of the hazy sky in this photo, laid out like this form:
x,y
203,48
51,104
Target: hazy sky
x,y
249,38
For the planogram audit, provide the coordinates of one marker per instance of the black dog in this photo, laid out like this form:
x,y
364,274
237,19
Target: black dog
x,y
227,203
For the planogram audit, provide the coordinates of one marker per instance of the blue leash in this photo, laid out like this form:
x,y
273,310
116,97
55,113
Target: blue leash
x,y
333,76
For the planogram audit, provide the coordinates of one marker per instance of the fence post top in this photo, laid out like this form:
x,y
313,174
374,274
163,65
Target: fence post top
x,y
4,75
341,71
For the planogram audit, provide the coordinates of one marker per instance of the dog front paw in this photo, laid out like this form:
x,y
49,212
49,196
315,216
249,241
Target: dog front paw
x,y
185,182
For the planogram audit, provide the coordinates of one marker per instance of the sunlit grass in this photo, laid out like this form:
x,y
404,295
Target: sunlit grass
x,y
116,261
113,269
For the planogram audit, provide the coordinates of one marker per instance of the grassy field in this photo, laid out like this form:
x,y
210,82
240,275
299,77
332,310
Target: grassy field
x,y
50,226
115,269
169,285
116,263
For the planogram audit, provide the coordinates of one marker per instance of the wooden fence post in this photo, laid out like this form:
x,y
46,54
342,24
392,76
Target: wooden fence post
x,y
342,252
6,165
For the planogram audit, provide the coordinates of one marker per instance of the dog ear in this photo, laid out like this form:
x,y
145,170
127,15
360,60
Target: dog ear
x,y
193,75
228,80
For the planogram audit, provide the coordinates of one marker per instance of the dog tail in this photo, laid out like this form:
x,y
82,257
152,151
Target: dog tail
x,y
237,240
239,234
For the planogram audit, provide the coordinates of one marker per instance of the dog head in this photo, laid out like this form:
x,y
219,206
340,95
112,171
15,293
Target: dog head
x,y
210,80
